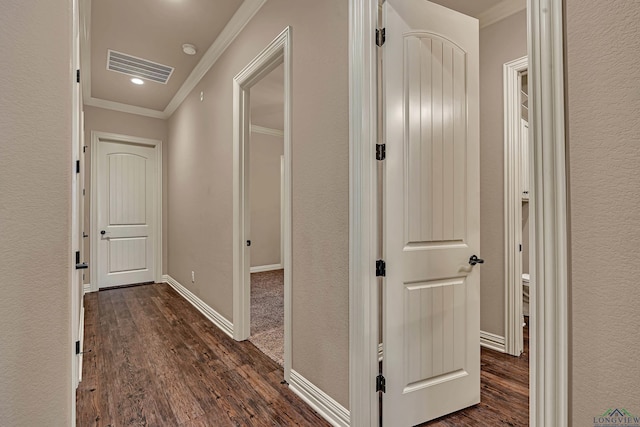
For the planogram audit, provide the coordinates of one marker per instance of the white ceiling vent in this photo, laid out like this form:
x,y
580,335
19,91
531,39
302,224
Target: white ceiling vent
x,y
138,67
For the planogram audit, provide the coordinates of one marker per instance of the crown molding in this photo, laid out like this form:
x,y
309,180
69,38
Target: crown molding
x,y
236,24
500,11
267,131
125,108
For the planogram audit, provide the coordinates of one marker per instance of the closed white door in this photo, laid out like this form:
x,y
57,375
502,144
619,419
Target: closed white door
x,y
431,329
127,196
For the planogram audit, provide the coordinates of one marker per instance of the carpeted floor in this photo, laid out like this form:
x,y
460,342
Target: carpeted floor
x,y
267,313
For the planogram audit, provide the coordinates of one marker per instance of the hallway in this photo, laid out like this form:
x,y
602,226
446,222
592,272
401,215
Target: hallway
x,y
152,359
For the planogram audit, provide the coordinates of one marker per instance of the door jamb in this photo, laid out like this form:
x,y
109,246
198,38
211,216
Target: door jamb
x,y
96,139
277,52
548,202
513,340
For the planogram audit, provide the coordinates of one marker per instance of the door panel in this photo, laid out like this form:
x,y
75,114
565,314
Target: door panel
x,y
126,199
432,301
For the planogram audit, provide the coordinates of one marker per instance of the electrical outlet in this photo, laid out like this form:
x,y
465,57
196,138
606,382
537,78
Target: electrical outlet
x,y
193,277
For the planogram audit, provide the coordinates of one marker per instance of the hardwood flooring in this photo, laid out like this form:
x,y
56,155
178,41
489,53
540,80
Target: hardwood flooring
x,y
151,359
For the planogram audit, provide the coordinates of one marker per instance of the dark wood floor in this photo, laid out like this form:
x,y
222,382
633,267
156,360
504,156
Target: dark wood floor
x,y
153,360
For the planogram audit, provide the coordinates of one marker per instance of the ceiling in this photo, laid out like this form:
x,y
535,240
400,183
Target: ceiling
x,y
469,7
155,30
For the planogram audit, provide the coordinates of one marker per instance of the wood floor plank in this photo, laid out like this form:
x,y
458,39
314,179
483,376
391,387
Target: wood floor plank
x,y
153,360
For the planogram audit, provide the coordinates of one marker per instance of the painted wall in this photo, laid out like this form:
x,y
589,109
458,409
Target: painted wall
x,y
103,120
200,183
603,70
264,182
501,42
35,213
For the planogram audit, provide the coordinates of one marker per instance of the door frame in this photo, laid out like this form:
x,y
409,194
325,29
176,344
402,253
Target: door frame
x,y
96,139
513,336
548,203
277,52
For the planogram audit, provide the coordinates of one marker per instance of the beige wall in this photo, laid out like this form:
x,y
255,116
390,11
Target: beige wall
x,y
35,213
501,42
603,70
264,191
200,183
102,120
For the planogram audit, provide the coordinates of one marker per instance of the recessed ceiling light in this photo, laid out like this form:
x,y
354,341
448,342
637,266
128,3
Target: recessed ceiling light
x,y
189,49
137,81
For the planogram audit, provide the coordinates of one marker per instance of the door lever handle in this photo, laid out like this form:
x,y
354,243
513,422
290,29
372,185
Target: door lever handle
x,y
475,260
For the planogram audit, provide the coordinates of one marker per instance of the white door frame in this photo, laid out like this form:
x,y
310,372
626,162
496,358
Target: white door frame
x,y
549,330
276,53
96,139
513,337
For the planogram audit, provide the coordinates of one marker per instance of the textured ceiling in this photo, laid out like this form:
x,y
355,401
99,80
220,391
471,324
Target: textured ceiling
x,y
153,30
468,7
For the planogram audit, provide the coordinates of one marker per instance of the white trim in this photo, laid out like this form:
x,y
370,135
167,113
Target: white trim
x,y
263,268
123,108
363,232
548,202
336,414
267,131
513,339
86,288
500,11
236,24
96,138
216,318
492,341
278,52
81,338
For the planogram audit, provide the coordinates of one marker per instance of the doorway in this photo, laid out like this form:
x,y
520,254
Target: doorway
x,y
266,179
126,216
548,399
276,56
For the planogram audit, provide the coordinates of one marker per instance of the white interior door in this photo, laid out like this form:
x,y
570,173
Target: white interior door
x,y
431,326
127,200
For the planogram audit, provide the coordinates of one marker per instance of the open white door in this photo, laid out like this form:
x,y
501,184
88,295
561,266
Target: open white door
x,y
127,186
431,210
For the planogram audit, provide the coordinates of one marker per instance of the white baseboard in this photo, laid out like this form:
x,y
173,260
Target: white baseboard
x,y
263,268
336,414
216,318
492,341
86,288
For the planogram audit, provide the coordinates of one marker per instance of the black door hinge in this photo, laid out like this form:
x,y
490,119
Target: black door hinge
x,y
77,166
381,268
381,151
84,148
381,384
80,265
520,247
380,37
78,76
77,347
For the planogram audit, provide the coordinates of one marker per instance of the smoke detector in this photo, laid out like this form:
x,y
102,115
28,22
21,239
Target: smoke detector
x,y
189,49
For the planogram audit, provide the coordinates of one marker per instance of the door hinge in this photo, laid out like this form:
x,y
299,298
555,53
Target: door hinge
x,y
78,76
77,347
520,247
380,37
77,166
83,192
381,268
84,148
381,151
80,265
381,384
